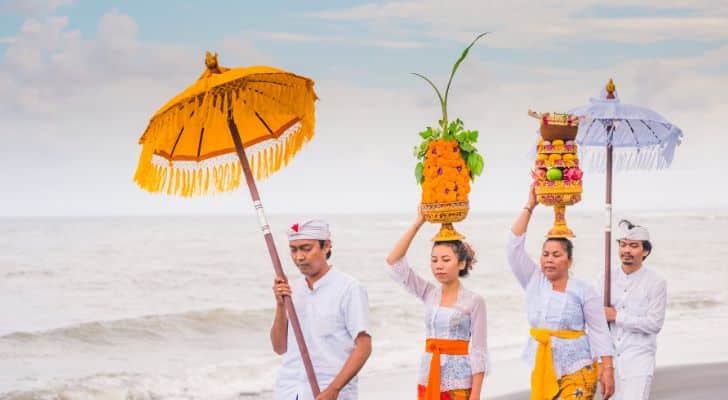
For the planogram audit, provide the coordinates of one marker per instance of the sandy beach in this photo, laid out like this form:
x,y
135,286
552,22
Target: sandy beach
x,y
694,382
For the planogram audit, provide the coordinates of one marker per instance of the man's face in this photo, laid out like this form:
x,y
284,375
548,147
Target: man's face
x,y
309,256
631,252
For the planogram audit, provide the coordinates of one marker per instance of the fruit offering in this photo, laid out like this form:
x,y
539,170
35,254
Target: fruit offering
x,y
557,175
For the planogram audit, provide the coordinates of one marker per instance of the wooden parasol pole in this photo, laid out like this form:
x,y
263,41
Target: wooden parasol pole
x,y
290,309
608,227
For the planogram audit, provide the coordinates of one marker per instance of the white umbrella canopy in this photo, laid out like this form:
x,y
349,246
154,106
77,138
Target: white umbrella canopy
x,y
641,138
613,135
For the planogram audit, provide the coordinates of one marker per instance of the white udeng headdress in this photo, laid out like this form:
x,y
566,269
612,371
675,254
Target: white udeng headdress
x,y
636,232
314,229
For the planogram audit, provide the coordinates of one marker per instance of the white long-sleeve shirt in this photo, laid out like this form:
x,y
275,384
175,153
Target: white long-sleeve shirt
x,y
578,308
332,315
640,299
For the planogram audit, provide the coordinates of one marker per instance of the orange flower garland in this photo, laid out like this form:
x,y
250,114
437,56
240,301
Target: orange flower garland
x,y
446,175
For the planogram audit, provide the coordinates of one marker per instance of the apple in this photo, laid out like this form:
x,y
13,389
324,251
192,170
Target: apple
x,y
554,174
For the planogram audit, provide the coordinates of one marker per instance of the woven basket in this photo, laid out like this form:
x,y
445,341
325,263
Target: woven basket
x,y
441,213
563,132
558,187
558,193
553,199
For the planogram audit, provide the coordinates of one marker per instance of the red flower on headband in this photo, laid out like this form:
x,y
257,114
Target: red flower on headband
x,y
294,227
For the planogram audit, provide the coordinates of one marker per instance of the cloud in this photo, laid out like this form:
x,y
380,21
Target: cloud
x,y
527,24
653,29
34,7
295,37
399,44
356,41
239,50
50,69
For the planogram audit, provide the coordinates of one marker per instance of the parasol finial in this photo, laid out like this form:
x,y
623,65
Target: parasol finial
x,y
610,89
212,66
211,61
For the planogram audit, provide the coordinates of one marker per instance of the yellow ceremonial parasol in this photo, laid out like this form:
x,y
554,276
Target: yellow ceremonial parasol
x,y
231,122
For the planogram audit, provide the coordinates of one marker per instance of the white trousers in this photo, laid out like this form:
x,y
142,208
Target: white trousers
x,y
632,388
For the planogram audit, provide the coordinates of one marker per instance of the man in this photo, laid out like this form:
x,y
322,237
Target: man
x,y
638,301
334,314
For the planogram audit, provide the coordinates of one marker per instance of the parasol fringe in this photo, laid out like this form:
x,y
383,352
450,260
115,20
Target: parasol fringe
x,y
189,182
223,173
594,158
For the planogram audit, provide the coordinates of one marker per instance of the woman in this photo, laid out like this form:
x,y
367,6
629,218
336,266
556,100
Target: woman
x,y
455,361
569,332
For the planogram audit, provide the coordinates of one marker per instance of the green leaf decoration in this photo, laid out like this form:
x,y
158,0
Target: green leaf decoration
x,y
478,165
443,103
467,147
450,130
459,61
471,161
418,173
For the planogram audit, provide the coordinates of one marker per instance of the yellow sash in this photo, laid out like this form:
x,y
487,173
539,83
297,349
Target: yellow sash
x,y
437,347
544,384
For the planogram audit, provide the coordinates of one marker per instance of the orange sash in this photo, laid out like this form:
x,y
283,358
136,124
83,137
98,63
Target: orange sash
x,y
437,347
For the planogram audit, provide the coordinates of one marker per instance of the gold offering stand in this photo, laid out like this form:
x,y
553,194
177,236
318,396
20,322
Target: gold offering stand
x,y
445,214
558,193
559,198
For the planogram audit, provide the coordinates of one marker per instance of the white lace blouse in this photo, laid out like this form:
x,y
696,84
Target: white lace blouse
x,y
465,320
578,308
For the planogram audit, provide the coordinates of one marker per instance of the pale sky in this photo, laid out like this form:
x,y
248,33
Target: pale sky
x,y
79,81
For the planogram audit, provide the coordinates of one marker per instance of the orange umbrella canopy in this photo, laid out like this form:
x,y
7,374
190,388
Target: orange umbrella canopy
x,y
188,149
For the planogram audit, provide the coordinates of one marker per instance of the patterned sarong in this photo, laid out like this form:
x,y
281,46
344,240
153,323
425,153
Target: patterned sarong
x,y
581,385
454,394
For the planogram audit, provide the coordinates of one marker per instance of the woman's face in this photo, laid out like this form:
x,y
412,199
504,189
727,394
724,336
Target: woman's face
x,y
555,260
444,263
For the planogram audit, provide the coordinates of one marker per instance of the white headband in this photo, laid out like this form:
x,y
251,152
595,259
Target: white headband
x,y
313,229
